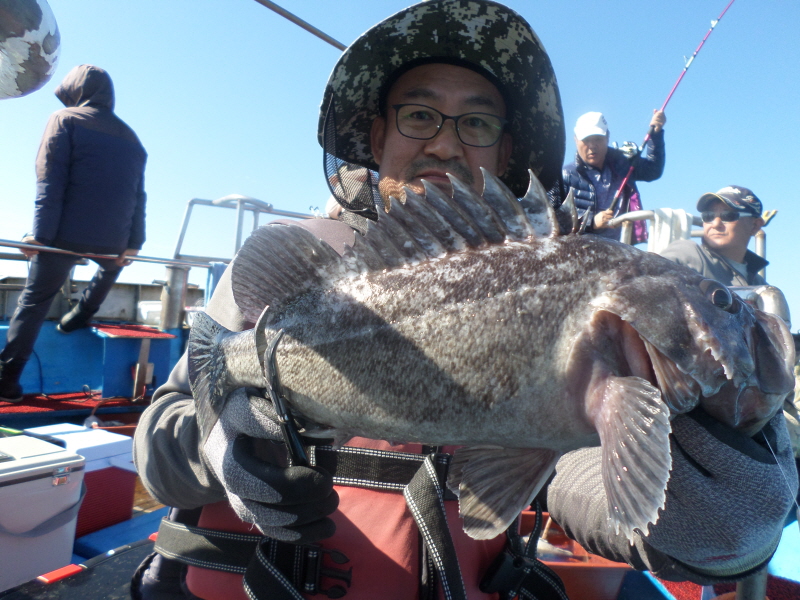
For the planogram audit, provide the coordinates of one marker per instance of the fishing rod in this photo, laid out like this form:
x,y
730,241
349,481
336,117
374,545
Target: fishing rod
x,y
298,21
663,106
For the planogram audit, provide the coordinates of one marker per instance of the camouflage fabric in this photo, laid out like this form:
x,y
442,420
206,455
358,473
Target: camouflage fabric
x,y
485,35
29,46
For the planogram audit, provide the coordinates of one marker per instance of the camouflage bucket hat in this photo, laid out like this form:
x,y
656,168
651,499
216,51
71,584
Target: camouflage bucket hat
x,y
489,37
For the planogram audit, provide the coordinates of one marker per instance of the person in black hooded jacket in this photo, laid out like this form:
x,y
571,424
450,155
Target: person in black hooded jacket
x,y
89,199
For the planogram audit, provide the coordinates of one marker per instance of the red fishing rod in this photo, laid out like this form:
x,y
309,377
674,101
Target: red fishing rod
x,y
663,106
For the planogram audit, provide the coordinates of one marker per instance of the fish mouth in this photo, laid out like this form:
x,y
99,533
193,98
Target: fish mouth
x,y
742,389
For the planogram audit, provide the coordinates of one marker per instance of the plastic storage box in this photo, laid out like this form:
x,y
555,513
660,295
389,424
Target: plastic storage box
x,y
41,487
110,475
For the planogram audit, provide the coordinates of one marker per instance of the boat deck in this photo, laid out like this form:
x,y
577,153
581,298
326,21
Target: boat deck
x,y
143,502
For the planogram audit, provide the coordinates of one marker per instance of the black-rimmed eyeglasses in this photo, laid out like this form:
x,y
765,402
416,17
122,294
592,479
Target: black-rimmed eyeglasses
x,y
422,122
726,216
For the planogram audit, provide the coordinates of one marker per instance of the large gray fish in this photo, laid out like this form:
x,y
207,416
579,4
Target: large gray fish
x,y
29,46
468,320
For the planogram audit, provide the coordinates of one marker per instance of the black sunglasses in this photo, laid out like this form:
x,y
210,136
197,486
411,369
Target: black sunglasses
x,y
728,216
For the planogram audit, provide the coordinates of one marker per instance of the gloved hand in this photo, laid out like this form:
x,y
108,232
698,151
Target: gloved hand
x,y
727,496
290,504
726,502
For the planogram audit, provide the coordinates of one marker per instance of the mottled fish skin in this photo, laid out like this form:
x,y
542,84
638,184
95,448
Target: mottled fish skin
x,y
29,46
517,350
516,311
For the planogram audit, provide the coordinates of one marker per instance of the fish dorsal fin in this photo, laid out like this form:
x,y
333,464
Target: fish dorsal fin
x,y
478,210
567,214
507,207
458,220
279,262
439,223
538,209
434,222
407,239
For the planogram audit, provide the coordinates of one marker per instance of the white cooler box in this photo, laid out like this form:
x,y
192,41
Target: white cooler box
x,y
41,489
110,475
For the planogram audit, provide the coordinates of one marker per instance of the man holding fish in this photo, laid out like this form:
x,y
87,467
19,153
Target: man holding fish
x,y
463,88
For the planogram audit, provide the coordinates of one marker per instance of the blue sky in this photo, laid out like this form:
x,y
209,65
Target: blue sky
x,y
225,97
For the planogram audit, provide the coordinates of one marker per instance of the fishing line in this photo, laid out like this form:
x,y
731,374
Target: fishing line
x,y
664,106
793,494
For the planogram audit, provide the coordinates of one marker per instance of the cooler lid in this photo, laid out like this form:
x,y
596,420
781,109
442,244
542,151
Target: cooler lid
x,y
25,458
93,444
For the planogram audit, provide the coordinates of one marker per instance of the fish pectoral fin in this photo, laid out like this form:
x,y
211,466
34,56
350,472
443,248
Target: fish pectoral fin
x,y
634,429
495,484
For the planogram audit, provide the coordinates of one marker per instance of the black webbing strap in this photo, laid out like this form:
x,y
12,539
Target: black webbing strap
x,y
271,568
375,469
518,573
206,548
425,498
264,580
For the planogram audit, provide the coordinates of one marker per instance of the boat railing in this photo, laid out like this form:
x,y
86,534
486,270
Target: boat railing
x,y
173,297
242,205
668,225
173,307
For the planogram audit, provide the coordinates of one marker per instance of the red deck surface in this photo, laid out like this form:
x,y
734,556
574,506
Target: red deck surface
x,y
130,331
32,403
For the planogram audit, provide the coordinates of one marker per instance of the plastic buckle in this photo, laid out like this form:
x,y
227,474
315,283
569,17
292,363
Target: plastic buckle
x,y
505,574
315,571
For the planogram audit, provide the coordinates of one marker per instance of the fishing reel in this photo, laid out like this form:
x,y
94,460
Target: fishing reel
x,y
629,149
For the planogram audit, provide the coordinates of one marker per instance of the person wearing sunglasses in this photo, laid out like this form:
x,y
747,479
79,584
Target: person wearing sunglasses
x,y
731,217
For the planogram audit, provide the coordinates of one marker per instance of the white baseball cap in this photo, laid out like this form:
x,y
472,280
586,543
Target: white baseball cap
x,y
591,123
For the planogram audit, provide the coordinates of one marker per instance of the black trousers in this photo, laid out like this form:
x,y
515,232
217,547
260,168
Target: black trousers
x,y
48,272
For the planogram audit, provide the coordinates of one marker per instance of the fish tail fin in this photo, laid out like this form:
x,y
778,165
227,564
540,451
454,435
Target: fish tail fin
x,y
634,429
206,365
278,263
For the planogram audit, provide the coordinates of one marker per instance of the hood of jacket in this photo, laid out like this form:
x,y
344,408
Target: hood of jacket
x,y
86,85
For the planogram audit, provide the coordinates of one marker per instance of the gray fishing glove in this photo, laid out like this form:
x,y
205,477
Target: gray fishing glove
x,y
290,504
727,499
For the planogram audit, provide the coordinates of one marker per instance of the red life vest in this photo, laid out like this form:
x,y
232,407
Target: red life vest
x,y
376,531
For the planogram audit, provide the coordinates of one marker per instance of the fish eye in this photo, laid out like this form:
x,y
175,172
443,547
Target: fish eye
x,y
718,295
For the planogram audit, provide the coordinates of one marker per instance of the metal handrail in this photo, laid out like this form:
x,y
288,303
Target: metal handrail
x,y
235,201
137,258
626,235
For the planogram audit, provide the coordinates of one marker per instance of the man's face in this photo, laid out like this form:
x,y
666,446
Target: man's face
x,y
731,235
452,91
592,150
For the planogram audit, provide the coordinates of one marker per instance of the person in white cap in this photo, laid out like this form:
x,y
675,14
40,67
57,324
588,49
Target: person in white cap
x,y
599,170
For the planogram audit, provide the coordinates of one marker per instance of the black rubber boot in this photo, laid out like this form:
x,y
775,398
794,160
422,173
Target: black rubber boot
x,y
10,371
77,318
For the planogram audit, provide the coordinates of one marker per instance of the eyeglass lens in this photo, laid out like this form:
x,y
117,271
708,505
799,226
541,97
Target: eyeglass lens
x,y
423,123
727,216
